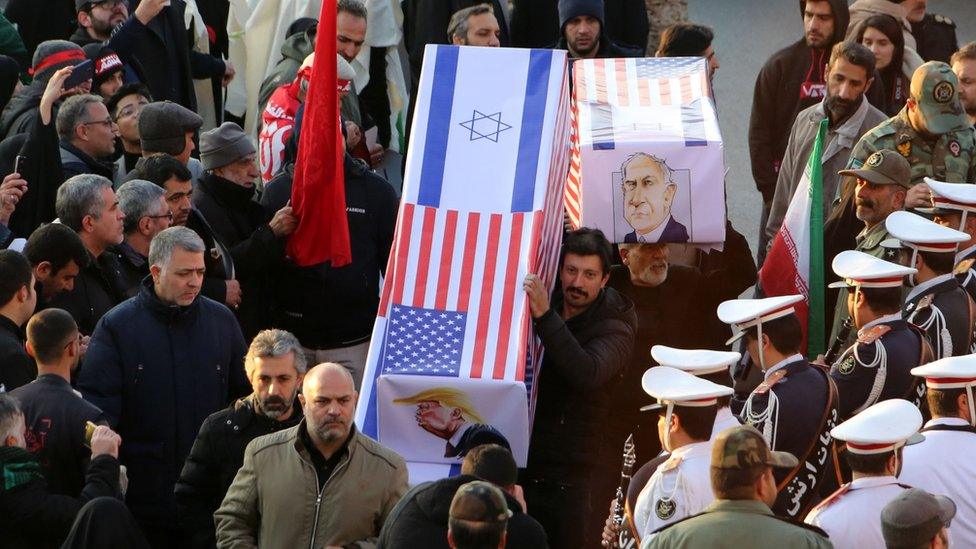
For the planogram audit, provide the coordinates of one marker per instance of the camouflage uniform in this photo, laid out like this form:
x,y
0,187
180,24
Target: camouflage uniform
x,y
661,14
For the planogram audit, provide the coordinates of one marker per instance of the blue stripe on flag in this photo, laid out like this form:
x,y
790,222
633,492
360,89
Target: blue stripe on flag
x,y
530,136
455,470
601,127
693,124
371,424
438,126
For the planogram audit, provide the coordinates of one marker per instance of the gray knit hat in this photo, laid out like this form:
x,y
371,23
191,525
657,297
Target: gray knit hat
x,y
224,145
54,55
163,126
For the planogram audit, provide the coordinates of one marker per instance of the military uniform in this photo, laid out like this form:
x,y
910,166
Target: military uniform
x,y
953,199
935,37
680,487
945,312
965,270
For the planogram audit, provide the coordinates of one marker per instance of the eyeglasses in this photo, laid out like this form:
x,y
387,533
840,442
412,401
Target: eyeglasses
x,y
108,122
167,215
132,110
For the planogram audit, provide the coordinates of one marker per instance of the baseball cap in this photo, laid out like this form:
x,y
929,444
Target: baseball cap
x,y
914,517
936,90
744,447
479,501
884,167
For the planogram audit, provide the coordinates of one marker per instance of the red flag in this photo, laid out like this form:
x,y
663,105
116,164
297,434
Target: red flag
x,y
318,193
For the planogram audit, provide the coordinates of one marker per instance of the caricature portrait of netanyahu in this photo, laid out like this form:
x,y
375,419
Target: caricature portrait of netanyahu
x,y
648,187
448,413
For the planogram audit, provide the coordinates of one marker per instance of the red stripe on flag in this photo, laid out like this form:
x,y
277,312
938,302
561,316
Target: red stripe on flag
x,y
508,297
467,265
388,274
664,87
644,92
487,289
600,82
537,221
623,93
686,93
403,251
447,254
423,261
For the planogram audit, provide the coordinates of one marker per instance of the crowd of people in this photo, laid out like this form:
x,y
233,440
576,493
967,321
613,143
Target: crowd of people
x,y
169,377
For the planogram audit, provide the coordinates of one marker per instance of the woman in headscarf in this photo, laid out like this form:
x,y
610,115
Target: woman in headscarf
x,y
882,35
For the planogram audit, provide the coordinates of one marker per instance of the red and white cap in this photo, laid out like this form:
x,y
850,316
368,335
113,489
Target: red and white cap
x,y
884,427
697,362
914,231
953,372
952,196
746,313
859,269
675,387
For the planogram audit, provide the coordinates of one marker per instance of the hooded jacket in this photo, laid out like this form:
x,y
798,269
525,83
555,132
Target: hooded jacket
x,y
861,10
569,9
790,81
420,519
294,50
21,111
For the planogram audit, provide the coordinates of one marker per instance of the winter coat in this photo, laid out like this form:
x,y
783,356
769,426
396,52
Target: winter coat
x,y
98,288
21,111
33,517
275,500
41,168
328,307
75,161
16,366
583,355
217,454
294,50
158,371
55,416
55,21
134,268
790,81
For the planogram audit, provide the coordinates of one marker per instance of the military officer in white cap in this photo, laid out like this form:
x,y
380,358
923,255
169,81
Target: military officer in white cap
x,y
878,365
943,463
796,404
954,206
681,484
875,437
706,364
936,303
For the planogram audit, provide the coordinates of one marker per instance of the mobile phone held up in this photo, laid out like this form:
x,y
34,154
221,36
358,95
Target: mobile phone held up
x,y
82,73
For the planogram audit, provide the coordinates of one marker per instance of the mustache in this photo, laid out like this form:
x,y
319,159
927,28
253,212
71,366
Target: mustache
x,y
865,202
577,291
273,402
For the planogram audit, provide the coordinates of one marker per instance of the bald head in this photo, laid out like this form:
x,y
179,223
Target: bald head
x,y
328,374
329,400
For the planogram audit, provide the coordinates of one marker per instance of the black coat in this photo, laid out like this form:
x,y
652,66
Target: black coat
x,y
328,307
33,517
98,288
419,519
55,416
217,454
158,371
35,24
134,268
16,366
41,168
582,358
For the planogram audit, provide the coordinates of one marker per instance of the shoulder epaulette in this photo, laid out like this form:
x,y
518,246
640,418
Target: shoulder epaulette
x,y
815,529
832,498
679,521
963,266
873,334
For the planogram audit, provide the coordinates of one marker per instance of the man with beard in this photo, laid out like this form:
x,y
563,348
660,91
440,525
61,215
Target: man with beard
x,y
964,65
791,80
850,116
320,483
54,413
582,32
97,19
275,365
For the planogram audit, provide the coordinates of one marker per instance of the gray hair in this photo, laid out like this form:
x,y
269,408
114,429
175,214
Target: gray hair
x,y
352,7
137,199
666,170
80,196
162,245
10,415
74,111
275,343
458,27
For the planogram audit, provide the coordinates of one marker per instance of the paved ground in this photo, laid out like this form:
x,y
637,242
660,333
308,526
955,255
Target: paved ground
x,y
747,33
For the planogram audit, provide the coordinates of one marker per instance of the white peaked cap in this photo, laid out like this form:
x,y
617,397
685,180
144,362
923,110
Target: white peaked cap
x,y
865,270
914,231
881,428
745,313
694,361
672,386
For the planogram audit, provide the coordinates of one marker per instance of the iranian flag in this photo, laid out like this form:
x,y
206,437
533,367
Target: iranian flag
x,y
795,262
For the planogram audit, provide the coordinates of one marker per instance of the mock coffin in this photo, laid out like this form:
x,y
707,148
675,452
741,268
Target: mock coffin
x,y
452,348
646,162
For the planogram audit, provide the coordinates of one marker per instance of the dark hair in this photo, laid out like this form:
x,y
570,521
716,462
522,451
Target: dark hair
x,y
469,534
58,245
944,402
15,273
883,300
160,168
134,88
723,378
870,464
966,53
48,332
785,333
888,26
352,7
684,40
736,483
697,421
492,463
939,262
458,25
854,53
585,241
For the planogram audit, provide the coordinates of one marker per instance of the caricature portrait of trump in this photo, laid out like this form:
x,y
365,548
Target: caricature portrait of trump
x,y
448,413
648,187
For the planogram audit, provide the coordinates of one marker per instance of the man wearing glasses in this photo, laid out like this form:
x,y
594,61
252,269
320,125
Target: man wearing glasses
x,y
97,19
87,137
125,107
147,214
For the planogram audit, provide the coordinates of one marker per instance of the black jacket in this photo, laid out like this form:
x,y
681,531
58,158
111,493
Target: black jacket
x,y
81,37
55,21
329,307
16,366
98,288
217,454
790,81
419,519
55,416
158,371
75,161
21,111
241,225
30,515
41,168
134,267
582,357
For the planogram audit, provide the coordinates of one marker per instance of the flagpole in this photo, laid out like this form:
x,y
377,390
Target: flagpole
x,y
815,319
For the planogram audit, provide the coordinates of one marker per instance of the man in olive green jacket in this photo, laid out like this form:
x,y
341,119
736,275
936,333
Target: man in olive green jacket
x,y
318,484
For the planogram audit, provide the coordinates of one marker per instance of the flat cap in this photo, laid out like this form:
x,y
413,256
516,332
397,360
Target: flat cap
x,y
163,126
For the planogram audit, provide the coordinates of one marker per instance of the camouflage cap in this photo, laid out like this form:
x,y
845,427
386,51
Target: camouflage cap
x,y
936,90
479,501
884,167
744,447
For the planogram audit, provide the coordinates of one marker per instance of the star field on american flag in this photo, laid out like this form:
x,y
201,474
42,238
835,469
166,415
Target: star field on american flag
x,y
667,67
423,341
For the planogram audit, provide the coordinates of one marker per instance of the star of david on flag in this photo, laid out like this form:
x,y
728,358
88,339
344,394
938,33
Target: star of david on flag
x,y
485,126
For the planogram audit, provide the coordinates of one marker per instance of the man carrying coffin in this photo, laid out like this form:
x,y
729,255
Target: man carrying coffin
x,y
878,365
795,406
936,302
